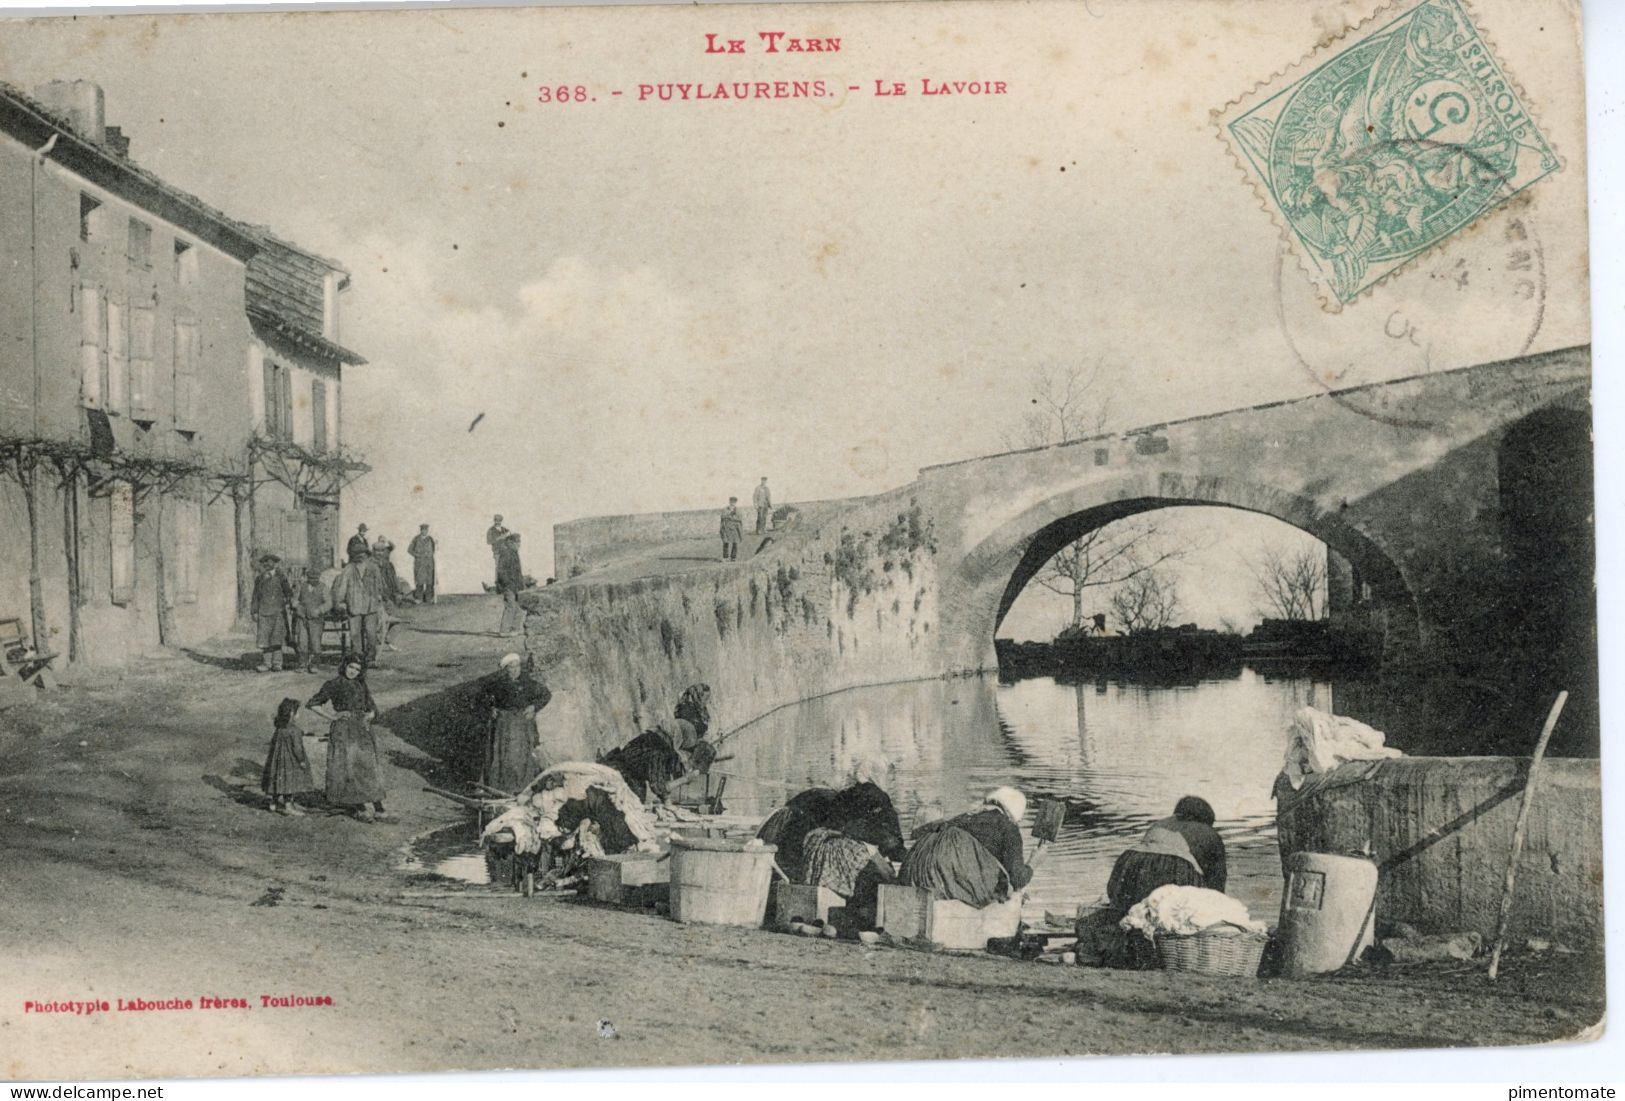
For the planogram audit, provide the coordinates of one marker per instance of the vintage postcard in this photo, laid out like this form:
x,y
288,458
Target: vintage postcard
x,y
610,537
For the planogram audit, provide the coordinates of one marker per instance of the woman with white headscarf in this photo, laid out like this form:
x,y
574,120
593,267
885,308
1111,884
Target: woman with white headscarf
x,y
512,697
976,858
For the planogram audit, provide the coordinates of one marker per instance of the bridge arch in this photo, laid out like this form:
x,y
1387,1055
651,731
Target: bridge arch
x,y
993,572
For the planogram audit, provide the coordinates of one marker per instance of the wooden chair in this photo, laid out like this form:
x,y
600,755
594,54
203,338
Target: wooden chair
x,y
19,657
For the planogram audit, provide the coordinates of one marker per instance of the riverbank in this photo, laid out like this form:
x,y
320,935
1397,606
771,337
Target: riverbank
x,y
136,861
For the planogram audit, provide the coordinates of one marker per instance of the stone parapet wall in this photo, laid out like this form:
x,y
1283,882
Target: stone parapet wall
x,y
1440,829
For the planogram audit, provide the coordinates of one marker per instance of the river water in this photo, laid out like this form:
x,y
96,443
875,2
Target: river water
x,y
1118,754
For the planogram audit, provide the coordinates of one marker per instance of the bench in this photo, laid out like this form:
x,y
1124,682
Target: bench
x,y
18,656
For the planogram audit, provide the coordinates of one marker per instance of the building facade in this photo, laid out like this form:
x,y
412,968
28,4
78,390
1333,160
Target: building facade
x,y
130,404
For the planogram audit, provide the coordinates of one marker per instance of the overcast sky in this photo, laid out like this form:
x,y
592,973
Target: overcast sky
x,y
652,304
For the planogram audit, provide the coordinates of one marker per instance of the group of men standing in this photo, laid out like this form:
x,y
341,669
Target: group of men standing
x,y
362,593
733,524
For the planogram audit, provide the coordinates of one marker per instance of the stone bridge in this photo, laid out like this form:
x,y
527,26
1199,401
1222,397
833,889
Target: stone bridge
x,y
1400,479
1460,501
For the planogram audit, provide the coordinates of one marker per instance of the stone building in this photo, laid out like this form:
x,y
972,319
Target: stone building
x,y
133,337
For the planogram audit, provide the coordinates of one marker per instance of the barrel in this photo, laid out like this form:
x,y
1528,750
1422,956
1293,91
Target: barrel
x,y
715,881
1328,912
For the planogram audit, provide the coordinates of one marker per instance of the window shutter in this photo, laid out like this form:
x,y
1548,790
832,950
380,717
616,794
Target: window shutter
x,y
318,415
118,357
121,542
90,346
272,428
285,402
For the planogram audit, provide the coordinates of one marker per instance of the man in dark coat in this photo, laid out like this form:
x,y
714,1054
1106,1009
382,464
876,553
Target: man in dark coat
x,y
358,591
358,541
494,536
270,604
422,548
732,530
510,583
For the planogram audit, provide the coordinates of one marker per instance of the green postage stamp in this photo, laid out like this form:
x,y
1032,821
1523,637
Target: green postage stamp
x,y
1385,143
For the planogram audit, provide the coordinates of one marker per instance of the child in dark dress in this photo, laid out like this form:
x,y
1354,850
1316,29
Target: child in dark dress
x,y
287,769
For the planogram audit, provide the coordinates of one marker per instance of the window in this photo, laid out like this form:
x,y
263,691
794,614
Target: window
x,y
118,357
188,351
88,218
278,401
91,330
140,247
318,415
121,542
143,386
185,265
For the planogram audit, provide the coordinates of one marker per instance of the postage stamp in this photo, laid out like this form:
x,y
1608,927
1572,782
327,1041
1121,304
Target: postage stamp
x,y
1382,145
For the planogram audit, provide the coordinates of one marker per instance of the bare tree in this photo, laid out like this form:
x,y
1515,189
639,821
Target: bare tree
x,y
1068,404
1112,555
1146,601
1291,583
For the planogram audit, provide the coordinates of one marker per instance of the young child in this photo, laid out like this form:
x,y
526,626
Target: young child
x,y
287,769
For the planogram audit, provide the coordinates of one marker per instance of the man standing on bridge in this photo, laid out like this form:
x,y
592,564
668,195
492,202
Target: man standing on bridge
x,y
733,530
421,548
763,500
494,535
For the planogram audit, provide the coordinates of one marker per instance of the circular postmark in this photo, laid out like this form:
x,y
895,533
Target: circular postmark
x,y
1478,298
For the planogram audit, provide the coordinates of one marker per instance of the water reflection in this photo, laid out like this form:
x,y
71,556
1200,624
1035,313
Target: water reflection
x,y
1119,755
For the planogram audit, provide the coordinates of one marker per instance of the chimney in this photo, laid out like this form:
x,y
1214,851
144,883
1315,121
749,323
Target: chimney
x,y
80,103
118,142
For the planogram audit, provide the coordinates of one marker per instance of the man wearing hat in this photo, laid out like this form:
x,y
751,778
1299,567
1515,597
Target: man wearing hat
x,y
514,696
272,599
358,541
358,592
733,530
495,535
422,548
762,498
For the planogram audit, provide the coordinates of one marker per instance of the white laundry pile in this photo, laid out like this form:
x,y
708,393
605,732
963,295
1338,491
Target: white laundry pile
x,y
1318,742
535,819
1186,910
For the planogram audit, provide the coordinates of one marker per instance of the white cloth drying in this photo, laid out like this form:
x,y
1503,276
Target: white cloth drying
x,y
1318,742
1186,910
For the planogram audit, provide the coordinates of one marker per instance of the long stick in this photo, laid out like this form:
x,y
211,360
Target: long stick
x,y
1517,833
461,800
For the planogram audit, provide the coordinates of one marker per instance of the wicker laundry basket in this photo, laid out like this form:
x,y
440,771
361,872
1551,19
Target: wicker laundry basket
x,y
1223,949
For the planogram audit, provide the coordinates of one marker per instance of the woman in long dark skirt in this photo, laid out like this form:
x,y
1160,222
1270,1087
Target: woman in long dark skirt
x,y
287,769
354,775
1184,851
975,858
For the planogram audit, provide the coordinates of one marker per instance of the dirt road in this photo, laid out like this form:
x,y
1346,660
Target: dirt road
x,y
137,862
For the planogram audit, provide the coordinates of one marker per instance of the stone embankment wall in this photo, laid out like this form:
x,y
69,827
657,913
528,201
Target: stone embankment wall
x,y
828,607
1440,829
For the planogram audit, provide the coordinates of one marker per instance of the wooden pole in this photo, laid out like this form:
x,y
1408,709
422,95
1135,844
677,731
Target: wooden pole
x,y
28,471
1517,833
